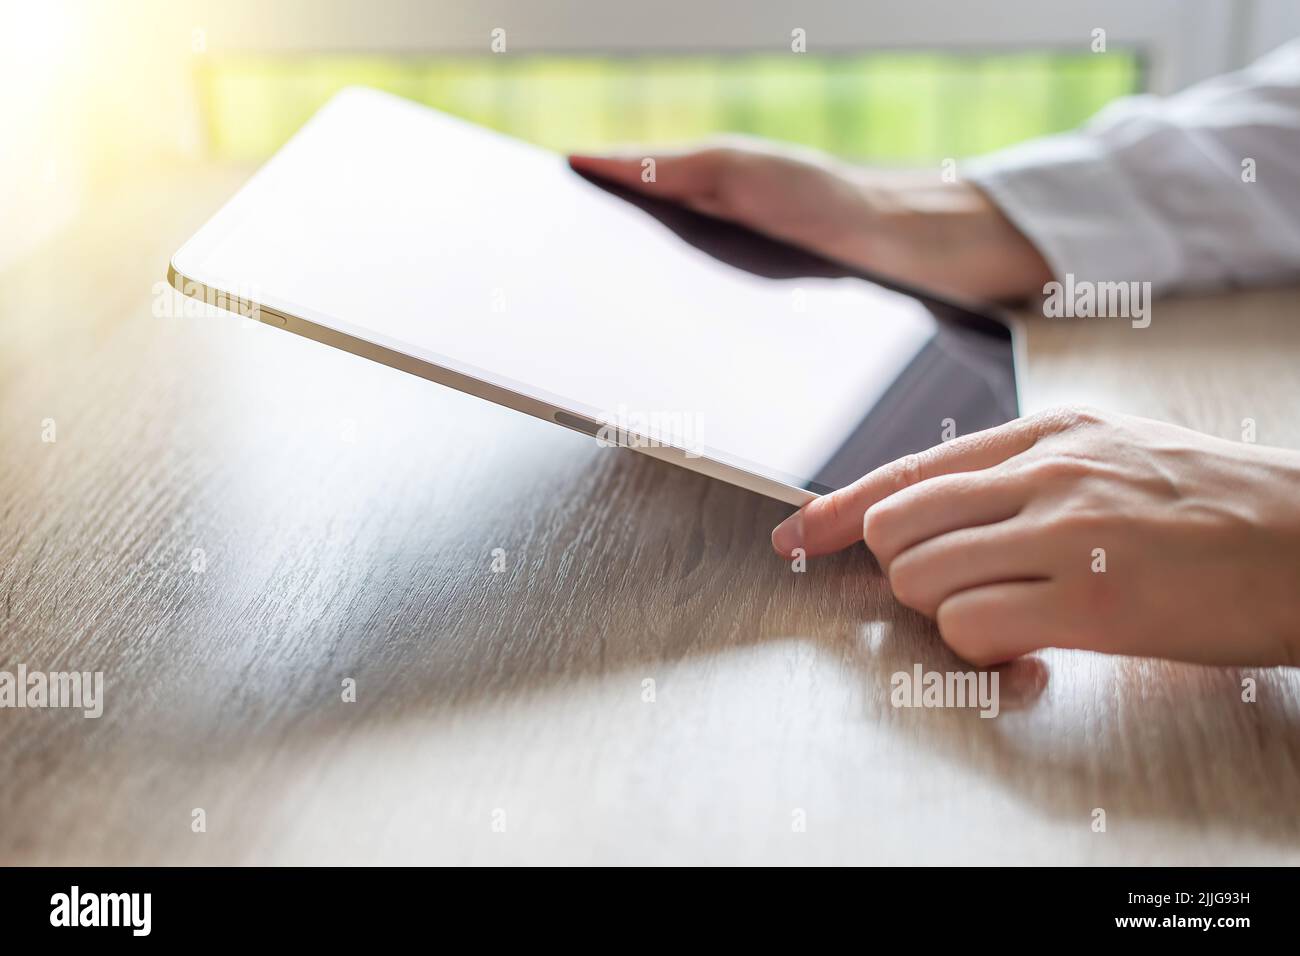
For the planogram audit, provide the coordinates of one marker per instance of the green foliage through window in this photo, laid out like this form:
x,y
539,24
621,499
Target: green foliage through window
x,y
892,107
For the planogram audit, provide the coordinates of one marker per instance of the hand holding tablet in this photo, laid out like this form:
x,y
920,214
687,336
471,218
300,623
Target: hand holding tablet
x,y
454,253
944,237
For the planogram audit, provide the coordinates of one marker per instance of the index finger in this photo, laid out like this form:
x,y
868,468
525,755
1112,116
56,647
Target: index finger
x,y
834,521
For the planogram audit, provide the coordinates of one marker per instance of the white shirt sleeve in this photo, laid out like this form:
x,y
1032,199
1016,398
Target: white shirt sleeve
x,y
1198,189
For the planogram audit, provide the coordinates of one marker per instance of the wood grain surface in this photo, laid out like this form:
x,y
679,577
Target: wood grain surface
x,y
232,521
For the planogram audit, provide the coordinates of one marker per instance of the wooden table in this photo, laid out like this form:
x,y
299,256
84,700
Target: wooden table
x,y
233,521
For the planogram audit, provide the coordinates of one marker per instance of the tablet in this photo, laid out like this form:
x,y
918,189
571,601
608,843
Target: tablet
x,y
453,252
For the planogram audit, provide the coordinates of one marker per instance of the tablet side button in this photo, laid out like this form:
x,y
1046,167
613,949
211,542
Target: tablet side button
x,y
577,423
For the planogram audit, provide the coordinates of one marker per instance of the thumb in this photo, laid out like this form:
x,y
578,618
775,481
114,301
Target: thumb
x,y
681,177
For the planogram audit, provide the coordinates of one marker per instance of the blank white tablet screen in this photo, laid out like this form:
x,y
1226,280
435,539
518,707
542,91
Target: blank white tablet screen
x,y
394,223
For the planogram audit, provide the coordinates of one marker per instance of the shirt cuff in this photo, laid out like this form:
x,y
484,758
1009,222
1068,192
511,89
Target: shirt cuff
x,y
1072,200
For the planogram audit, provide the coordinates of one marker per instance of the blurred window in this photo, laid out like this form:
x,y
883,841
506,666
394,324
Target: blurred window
x,y
890,107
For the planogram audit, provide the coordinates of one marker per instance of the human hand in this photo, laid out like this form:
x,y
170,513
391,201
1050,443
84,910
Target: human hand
x,y
908,226
1001,535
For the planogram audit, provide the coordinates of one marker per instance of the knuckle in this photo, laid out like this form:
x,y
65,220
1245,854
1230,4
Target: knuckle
x,y
878,528
908,470
1087,415
1045,422
1056,469
1080,522
962,629
1081,416
907,582
1066,418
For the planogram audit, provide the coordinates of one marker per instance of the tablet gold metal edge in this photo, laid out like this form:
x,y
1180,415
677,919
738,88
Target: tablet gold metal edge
x,y
472,386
